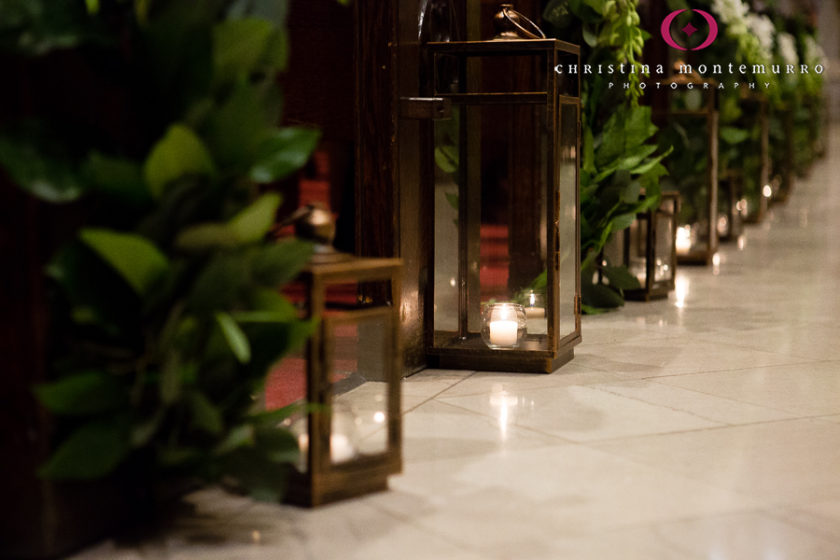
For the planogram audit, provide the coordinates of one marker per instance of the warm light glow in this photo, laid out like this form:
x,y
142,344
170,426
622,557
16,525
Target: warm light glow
x,y
767,191
742,206
716,264
742,242
452,282
378,416
683,239
723,225
681,287
504,401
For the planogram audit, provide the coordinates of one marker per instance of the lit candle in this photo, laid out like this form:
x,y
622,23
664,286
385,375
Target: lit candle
x,y
684,239
535,312
503,333
340,448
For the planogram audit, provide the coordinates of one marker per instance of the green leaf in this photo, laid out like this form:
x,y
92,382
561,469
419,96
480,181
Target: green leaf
x,y
205,415
238,47
236,129
40,168
138,261
631,192
85,393
622,221
142,433
255,221
236,339
446,157
621,278
117,177
178,154
92,451
221,283
238,436
597,295
204,237
732,135
283,153
280,263
173,375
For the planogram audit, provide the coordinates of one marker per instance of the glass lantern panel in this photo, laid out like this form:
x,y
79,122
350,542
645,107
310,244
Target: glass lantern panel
x,y
664,243
359,357
752,161
491,226
689,175
568,164
637,236
446,201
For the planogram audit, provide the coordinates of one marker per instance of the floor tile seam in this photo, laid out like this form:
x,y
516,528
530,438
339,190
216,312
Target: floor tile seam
x,y
738,347
658,405
560,439
709,339
796,414
479,393
737,369
434,397
695,478
777,515
692,431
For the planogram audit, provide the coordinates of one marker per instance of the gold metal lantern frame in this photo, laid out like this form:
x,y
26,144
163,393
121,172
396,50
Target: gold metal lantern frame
x,y
346,379
505,230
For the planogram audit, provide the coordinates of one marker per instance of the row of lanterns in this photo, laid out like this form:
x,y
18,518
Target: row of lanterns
x,y
505,282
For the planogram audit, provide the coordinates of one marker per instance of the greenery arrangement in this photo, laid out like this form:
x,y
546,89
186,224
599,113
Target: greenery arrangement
x,y
620,161
167,310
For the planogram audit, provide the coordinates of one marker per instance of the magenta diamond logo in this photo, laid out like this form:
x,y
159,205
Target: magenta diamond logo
x,y
689,30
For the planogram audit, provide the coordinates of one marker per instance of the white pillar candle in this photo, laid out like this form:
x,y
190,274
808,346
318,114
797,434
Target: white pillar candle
x,y
683,239
535,312
503,333
340,448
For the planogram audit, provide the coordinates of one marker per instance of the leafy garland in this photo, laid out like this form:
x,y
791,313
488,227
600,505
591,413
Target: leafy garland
x,y
620,168
167,308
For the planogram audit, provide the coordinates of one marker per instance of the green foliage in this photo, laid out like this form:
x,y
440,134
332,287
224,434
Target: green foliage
x,y
620,161
167,307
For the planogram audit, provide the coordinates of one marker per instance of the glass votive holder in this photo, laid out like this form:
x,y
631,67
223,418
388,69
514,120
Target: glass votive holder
x,y
536,320
503,325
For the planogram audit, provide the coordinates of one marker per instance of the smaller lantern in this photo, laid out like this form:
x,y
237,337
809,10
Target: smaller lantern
x,y
648,249
732,205
690,126
347,379
756,155
782,151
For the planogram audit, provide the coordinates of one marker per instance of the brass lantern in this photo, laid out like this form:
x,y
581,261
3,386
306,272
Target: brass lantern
x,y
505,293
756,163
691,127
347,376
732,206
783,161
647,248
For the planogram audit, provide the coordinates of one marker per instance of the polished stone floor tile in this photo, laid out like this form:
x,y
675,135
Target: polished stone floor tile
x,y
580,413
437,430
811,389
714,408
783,462
534,497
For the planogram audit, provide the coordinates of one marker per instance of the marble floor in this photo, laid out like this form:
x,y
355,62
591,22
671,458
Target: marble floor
x,y
706,426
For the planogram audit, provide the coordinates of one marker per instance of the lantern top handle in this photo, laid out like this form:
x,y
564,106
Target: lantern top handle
x,y
511,24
